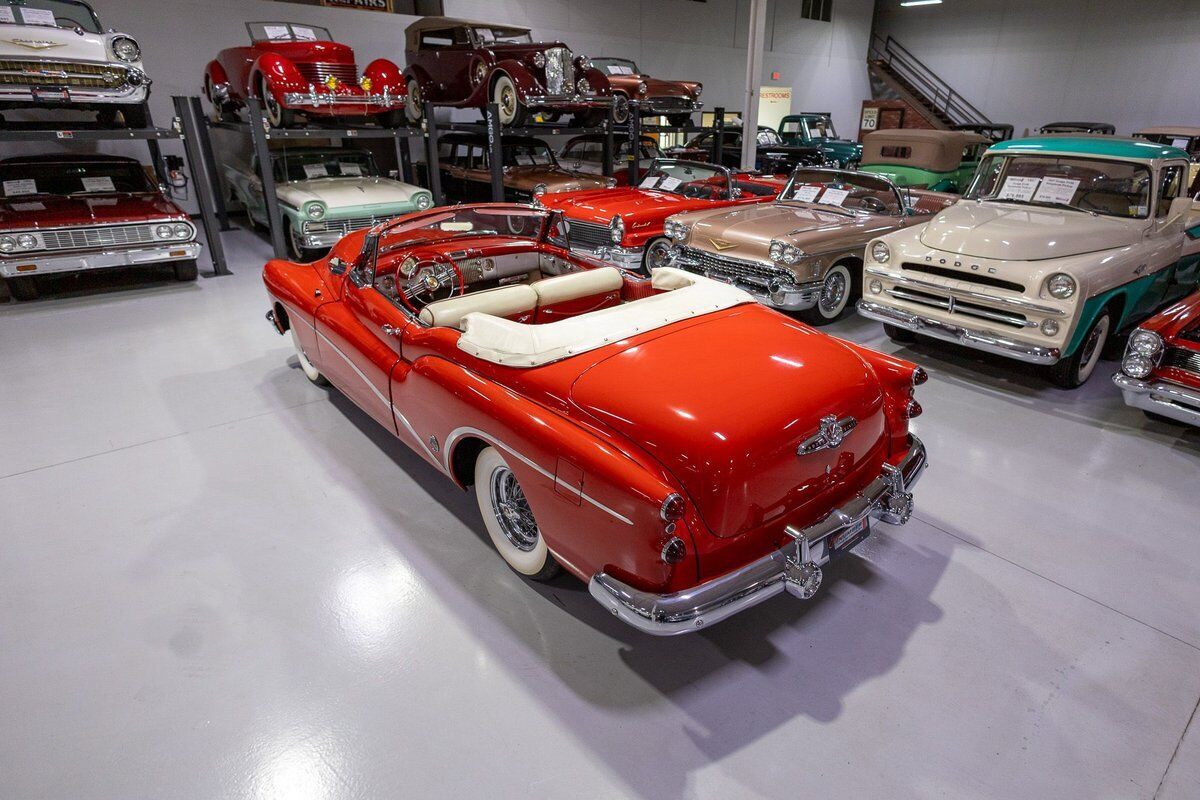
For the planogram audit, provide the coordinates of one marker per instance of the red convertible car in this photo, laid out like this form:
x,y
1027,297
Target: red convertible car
x,y
624,226
1160,372
292,68
568,397
71,213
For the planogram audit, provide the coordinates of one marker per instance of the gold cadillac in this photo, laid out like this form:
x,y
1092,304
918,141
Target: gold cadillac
x,y
804,251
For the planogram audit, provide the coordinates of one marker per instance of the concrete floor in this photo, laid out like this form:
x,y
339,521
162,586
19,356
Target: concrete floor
x,y
219,581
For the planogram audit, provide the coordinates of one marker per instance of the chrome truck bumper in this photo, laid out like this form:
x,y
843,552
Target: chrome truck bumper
x,y
1166,399
43,264
980,340
795,568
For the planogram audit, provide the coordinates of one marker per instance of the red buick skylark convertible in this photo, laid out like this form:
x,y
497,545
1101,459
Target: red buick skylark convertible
x,y
683,450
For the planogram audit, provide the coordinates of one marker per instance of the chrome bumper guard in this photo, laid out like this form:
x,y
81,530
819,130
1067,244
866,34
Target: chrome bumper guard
x,y
793,568
567,100
669,105
776,294
627,258
1166,399
980,340
46,264
315,99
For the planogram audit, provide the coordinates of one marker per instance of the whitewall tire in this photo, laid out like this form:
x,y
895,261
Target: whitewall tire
x,y
310,371
837,295
1075,370
509,519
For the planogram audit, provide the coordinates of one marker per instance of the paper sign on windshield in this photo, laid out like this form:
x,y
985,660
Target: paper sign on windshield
x,y
315,171
525,161
6,14
275,32
23,186
1018,187
1056,190
650,182
670,184
1182,144
304,34
807,194
102,183
835,197
38,16
613,69
351,169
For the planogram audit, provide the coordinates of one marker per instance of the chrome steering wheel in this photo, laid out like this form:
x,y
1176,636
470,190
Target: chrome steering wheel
x,y
418,285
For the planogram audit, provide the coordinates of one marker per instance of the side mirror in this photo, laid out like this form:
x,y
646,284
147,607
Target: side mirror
x,y
337,266
1180,206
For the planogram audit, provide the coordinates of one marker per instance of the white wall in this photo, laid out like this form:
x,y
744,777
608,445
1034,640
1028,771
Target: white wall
x,y
1029,62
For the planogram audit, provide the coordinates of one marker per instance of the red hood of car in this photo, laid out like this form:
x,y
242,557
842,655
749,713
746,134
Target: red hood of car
x,y
1174,320
301,52
728,425
634,205
40,211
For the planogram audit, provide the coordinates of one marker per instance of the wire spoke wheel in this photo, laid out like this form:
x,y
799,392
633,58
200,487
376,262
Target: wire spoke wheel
x,y
512,510
833,293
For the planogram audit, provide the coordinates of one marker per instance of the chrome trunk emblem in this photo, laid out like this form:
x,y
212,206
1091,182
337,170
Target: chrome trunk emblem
x,y
829,436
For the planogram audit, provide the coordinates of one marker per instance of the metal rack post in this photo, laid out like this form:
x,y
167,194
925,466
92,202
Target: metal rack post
x,y
495,152
609,150
635,141
432,167
259,132
718,153
199,157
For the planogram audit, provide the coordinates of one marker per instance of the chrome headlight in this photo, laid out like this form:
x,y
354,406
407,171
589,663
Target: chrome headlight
x,y
539,189
423,201
582,86
1136,366
181,230
676,231
642,87
880,252
1145,343
8,244
126,49
314,210
26,241
164,231
616,229
785,253
584,62
610,183
699,89
1060,285
539,59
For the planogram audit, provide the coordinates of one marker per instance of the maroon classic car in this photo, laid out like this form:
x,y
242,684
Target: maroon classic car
x,y
294,68
655,96
69,213
1160,373
464,64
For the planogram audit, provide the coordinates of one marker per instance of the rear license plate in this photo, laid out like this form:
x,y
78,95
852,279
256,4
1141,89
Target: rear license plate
x,y
51,95
850,538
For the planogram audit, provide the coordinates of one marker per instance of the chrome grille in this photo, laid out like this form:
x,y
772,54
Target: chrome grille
x,y
343,225
702,262
89,238
35,72
965,308
967,275
559,77
1181,358
318,72
670,103
588,234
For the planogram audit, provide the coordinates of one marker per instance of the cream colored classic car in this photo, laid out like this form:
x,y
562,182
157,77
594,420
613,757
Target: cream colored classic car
x,y
1061,243
57,55
804,251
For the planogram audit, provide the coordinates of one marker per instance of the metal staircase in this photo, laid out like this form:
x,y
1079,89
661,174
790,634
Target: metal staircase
x,y
903,73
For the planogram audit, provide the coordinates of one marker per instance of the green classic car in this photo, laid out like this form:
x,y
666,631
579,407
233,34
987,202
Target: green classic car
x,y
815,129
324,193
941,161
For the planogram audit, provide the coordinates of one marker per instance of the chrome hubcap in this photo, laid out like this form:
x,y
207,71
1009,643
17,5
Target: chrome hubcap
x,y
658,256
512,510
508,101
833,293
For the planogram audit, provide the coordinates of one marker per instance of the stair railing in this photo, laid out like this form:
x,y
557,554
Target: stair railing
x,y
936,92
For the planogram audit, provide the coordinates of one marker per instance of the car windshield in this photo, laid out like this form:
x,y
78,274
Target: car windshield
x,y
502,36
533,154
1112,188
521,222
63,178
648,149
687,179
302,166
768,138
820,127
616,66
854,191
287,32
52,13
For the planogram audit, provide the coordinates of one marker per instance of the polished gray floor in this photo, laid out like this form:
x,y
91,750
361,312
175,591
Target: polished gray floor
x,y
218,581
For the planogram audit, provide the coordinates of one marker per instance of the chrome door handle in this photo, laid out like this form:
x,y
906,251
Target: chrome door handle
x,y
391,330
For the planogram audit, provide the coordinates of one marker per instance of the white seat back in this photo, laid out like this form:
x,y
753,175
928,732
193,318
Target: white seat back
x,y
575,285
504,301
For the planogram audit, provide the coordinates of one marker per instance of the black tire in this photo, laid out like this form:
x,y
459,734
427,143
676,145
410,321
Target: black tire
x,y
135,116
395,118
679,120
186,270
1150,415
23,288
899,335
1074,371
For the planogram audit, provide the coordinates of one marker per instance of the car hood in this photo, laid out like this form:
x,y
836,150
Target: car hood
x,y
1024,233
632,204
55,212
347,192
727,426
655,87
556,179
746,232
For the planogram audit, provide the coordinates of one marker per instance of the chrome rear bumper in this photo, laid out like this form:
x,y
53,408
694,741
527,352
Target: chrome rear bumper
x,y
794,568
1166,399
980,340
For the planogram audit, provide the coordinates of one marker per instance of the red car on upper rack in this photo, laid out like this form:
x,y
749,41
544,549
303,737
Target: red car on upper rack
x,y
573,399
624,226
1160,372
70,213
293,68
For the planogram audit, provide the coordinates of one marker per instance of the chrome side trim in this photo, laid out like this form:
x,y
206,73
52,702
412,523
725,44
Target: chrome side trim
x,y
1024,305
887,498
1166,399
980,340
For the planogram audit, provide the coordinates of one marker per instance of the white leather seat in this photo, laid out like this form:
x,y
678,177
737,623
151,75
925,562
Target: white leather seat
x,y
574,285
503,301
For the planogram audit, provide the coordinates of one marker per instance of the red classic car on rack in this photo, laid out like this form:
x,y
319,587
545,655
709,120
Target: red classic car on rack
x,y
465,64
624,226
677,100
569,396
293,68
1160,372
69,213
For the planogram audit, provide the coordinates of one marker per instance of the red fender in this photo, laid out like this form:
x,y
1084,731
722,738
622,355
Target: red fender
x,y
383,72
282,76
599,82
215,72
413,74
520,76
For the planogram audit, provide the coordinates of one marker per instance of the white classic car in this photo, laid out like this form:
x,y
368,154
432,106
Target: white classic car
x,y
55,54
324,193
1060,244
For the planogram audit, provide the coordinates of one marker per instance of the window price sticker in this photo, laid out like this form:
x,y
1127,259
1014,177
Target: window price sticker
x,y
101,183
351,169
1018,187
38,16
807,194
670,184
1056,190
277,33
315,171
650,182
304,34
6,14
835,197
18,187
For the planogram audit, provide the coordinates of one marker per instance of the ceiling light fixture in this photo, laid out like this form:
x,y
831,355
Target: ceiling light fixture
x,y
921,2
